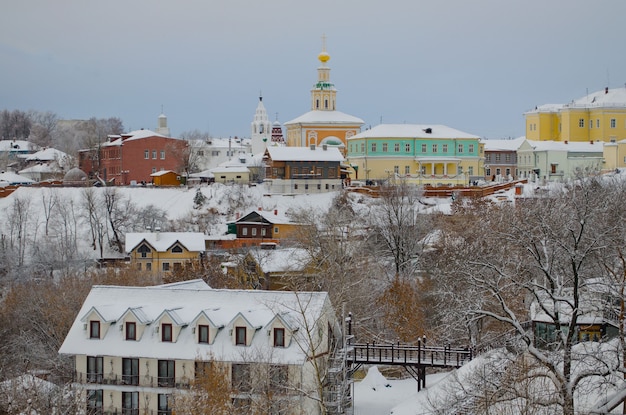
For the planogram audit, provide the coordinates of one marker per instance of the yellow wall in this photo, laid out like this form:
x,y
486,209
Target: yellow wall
x,y
295,132
158,258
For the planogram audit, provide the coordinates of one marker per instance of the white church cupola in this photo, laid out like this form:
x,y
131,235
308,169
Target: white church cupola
x,y
162,128
261,129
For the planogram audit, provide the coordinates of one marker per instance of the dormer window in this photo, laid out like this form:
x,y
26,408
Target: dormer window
x,y
177,249
166,332
131,330
240,336
94,329
203,334
144,250
279,337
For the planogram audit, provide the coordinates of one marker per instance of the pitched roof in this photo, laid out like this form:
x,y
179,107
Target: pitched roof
x,y
325,117
305,154
221,306
162,241
504,145
412,131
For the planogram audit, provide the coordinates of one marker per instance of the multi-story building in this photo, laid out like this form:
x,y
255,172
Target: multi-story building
x,y
557,161
323,124
501,158
131,158
137,349
421,154
303,169
163,252
599,116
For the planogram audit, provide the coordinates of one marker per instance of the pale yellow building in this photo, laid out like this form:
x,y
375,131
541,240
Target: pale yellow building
x,y
599,116
163,252
323,124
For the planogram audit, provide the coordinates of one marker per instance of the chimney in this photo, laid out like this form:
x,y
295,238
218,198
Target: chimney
x,y
275,212
157,229
260,208
325,147
606,90
237,215
312,147
565,141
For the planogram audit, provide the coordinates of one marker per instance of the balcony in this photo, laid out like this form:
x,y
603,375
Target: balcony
x,y
137,380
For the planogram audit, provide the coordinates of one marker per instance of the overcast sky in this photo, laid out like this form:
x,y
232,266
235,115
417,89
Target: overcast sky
x,y
476,66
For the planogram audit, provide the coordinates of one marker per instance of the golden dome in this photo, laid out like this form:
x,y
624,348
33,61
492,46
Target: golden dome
x,y
323,57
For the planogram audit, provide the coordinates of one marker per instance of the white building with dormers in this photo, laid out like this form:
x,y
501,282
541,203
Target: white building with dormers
x,y
135,348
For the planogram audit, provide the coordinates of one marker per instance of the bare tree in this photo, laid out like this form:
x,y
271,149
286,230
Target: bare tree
x,y
14,124
43,128
547,252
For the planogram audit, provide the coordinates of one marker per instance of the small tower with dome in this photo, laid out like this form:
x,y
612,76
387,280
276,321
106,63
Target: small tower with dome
x,y
261,130
323,94
162,128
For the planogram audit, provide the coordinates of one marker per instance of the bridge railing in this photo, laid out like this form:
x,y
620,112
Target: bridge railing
x,y
409,355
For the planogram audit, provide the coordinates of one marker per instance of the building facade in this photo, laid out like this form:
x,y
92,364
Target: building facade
x,y
133,157
137,349
599,116
420,154
501,159
163,252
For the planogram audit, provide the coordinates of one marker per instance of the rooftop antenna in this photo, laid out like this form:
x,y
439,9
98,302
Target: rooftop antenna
x,y
276,116
161,108
260,95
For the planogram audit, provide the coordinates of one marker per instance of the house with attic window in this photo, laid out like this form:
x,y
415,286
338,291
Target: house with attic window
x,y
164,252
136,349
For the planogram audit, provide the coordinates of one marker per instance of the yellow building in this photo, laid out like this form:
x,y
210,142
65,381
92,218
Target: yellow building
x,y
599,116
159,252
323,124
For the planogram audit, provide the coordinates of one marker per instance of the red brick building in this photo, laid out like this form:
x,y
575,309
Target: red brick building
x,y
133,157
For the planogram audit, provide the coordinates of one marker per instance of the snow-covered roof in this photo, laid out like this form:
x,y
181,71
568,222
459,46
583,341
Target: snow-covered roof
x,y
504,145
17,145
281,260
589,309
546,108
162,241
241,168
188,302
571,146
325,117
13,178
608,97
305,154
162,173
412,131
41,168
117,140
48,154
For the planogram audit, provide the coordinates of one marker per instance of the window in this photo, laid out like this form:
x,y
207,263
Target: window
x,y
130,371
154,170
215,153
166,373
253,231
407,148
149,266
498,172
507,157
177,249
470,170
407,169
488,171
497,157
94,401
94,329
144,250
178,266
612,122
162,154
164,405
278,377
434,148
488,157
202,370
130,403
264,231
385,147
597,123
396,147
424,148
95,369
241,377
154,154
166,332
470,148
444,148
146,154
396,169
166,266
240,335
362,147
581,122
201,153
244,231
276,230
131,330
508,172
373,147
460,148
279,337
590,123
203,334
